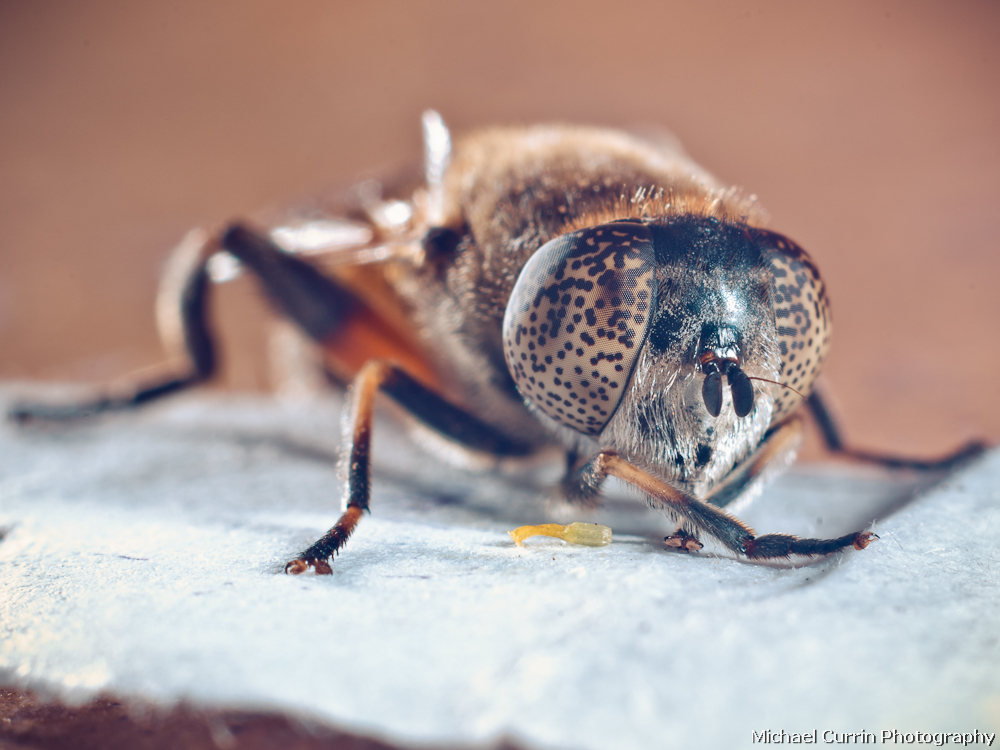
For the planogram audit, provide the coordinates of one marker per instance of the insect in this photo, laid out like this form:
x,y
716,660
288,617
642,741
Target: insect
x,y
540,287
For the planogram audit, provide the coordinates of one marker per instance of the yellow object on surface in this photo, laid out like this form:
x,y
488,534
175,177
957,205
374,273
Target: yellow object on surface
x,y
587,534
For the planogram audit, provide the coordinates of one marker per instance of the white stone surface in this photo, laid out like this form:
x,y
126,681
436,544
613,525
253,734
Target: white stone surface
x,y
143,557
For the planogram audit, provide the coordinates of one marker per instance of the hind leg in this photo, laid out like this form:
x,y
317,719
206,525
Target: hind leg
x,y
181,308
328,312
833,438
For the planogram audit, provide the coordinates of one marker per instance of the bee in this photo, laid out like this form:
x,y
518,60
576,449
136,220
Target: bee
x,y
540,287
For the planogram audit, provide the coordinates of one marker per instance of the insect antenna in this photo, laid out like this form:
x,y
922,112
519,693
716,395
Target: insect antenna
x,y
783,385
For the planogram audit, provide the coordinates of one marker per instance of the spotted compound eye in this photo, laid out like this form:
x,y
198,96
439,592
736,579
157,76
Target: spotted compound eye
x,y
577,319
802,315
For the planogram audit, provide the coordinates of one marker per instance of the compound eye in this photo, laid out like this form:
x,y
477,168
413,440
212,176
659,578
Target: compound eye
x,y
802,312
742,390
576,320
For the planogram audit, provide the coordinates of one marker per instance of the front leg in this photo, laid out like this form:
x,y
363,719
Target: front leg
x,y
697,516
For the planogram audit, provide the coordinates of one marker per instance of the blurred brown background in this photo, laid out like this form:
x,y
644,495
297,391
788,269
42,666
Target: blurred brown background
x,y
870,130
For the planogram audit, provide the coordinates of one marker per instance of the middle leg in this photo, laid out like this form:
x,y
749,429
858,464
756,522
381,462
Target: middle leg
x,y
423,404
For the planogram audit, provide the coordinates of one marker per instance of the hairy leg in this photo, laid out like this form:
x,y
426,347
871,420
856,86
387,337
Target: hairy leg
x,y
696,516
426,406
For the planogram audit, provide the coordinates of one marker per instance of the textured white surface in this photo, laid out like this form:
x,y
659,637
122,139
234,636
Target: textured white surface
x,y
143,557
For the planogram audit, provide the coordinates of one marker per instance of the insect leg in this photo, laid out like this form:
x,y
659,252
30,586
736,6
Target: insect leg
x,y
358,464
701,516
314,301
181,315
580,486
349,330
833,437
422,403
773,456
326,310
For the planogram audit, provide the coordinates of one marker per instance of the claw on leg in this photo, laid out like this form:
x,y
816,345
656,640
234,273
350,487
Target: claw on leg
x,y
318,555
294,567
682,541
865,539
300,565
